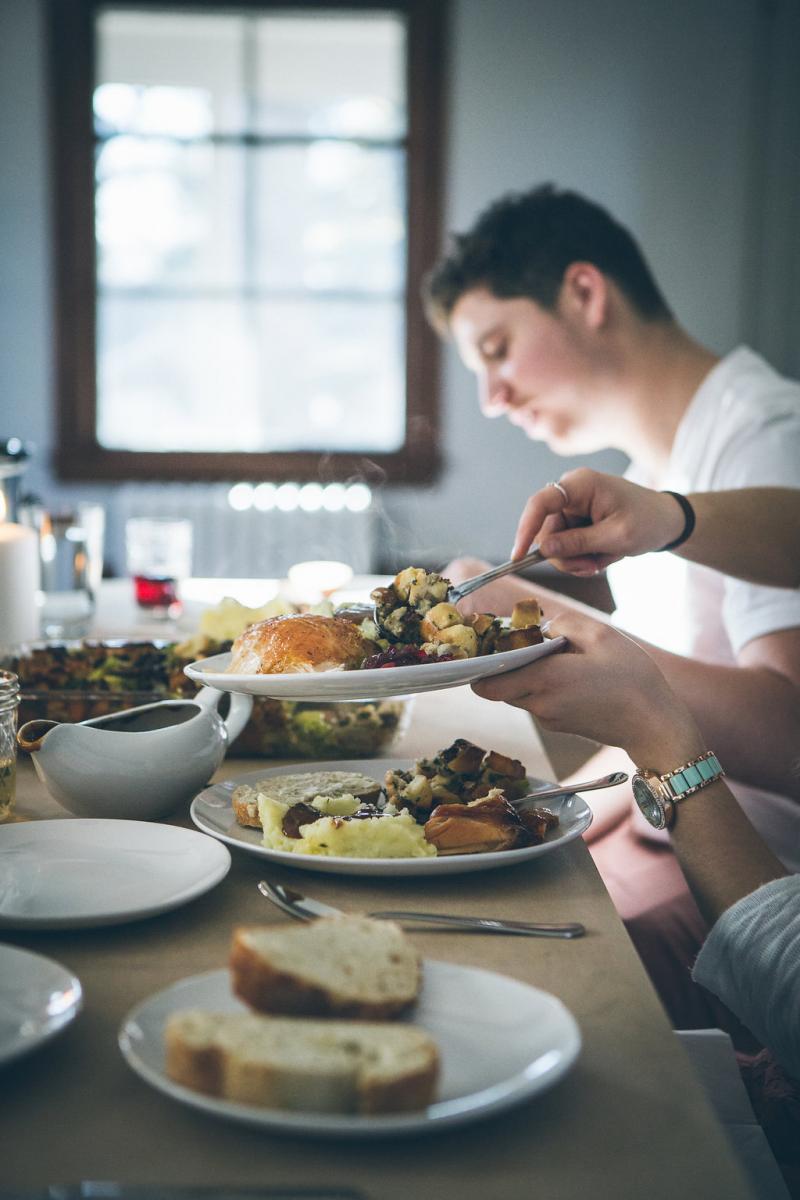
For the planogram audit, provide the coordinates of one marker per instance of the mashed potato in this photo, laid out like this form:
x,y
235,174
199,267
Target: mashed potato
x,y
229,618
392,835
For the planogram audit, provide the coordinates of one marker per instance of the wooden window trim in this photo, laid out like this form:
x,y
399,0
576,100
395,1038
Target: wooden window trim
x,y
78,455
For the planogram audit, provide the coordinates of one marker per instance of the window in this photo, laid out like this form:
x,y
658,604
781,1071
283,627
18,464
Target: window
x,y
246,197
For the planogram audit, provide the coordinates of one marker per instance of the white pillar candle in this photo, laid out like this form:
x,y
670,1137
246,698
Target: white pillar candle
x,y
19,583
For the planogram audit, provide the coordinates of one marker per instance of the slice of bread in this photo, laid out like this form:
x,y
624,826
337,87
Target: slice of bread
x,y
311,1066
336,966
301,787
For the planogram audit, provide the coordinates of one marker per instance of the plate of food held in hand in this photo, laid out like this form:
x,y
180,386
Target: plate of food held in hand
x,y
448,814
340,1029
411,639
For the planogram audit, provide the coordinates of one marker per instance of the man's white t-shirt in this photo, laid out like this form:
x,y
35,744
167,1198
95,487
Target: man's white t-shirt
x,y
741,429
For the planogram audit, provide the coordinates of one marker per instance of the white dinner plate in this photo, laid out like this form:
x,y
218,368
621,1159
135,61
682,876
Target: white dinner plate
x,y
374,684
212,811
70,874
500,1043
38,997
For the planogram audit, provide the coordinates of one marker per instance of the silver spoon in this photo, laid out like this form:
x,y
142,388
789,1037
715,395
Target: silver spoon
x,y
591,785
305,909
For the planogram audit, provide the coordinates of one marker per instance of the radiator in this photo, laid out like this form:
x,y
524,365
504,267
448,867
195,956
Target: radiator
x,y
246,544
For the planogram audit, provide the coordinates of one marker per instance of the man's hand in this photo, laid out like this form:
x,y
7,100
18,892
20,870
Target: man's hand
x,y
591,520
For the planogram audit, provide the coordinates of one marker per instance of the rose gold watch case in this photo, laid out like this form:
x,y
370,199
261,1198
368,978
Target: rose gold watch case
x,y
662,801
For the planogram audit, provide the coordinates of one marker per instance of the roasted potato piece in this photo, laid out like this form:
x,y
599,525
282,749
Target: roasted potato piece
x,y
480,622
441,616
516,639
461,637
463,757
410,584
419,588
512,768
526,613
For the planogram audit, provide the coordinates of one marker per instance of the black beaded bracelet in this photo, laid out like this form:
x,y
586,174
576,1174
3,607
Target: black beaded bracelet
x,y
688,521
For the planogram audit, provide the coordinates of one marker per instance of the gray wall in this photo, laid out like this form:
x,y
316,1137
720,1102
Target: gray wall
x,y
682,117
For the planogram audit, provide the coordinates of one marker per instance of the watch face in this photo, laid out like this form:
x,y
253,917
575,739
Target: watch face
x,y
651,808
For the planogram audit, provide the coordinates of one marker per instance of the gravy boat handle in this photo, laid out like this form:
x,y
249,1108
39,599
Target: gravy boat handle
x,y
238,713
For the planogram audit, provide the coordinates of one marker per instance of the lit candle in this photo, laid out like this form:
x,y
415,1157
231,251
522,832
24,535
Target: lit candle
x,y
19,583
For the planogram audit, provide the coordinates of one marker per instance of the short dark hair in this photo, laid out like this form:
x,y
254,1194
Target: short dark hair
x,y
522,245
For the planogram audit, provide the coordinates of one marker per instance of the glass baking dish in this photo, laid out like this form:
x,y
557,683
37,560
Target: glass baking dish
x,y
74,681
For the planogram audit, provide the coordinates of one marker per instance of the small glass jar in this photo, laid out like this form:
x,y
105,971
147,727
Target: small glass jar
x,y
9,702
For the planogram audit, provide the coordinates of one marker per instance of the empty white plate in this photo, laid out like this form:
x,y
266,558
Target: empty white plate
x,y
375,684
69,874
500,1042
38,997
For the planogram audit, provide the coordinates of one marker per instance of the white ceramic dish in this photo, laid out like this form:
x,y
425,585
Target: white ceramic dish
x,y
501,1042
38,998
64,874
212,812
375,684
130,765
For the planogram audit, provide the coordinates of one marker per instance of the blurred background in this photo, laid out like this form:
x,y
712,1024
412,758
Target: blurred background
x,y
255,245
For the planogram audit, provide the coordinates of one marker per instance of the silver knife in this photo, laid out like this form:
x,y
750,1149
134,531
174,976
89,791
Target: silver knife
x,y
305,909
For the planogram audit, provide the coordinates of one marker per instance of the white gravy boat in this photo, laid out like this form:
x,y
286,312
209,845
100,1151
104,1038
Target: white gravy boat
x,y
138,764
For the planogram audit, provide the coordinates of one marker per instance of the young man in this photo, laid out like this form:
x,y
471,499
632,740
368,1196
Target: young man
x,y
552,305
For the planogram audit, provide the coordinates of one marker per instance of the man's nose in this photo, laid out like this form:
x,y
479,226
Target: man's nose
x,y
494,396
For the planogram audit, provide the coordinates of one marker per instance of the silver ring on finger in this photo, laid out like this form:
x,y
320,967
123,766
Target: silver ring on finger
x,y
560,488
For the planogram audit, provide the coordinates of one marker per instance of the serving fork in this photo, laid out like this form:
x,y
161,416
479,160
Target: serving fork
x,y
305,909
357,611
457,591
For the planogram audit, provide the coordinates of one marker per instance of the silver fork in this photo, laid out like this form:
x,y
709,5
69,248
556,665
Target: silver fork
x,y
457,591
305,909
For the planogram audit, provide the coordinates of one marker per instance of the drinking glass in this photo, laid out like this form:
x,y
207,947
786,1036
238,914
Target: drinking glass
x,y
71,557
70,565
159,556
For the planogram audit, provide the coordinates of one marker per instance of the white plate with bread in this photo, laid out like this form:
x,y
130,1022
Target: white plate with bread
x,y
214,811
312,1050
375,684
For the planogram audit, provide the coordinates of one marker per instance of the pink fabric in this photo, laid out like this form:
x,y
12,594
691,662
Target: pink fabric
x,y
650,894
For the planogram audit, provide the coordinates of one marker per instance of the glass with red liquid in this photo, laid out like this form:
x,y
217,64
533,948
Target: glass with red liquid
x,y
159,556
155,593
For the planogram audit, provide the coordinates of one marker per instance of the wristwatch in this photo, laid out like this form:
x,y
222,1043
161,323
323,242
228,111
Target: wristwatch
x,y
657,795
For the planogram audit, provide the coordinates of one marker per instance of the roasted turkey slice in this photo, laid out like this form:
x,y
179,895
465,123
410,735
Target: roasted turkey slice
x,y
485,825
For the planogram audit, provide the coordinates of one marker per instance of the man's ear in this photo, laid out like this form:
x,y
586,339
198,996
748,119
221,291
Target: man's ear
x,y
585,294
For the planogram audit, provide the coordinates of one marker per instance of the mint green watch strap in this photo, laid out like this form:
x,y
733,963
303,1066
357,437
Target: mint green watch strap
x,y
693,776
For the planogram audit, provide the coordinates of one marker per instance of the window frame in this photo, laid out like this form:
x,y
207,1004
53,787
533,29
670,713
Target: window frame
x,y
78,454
